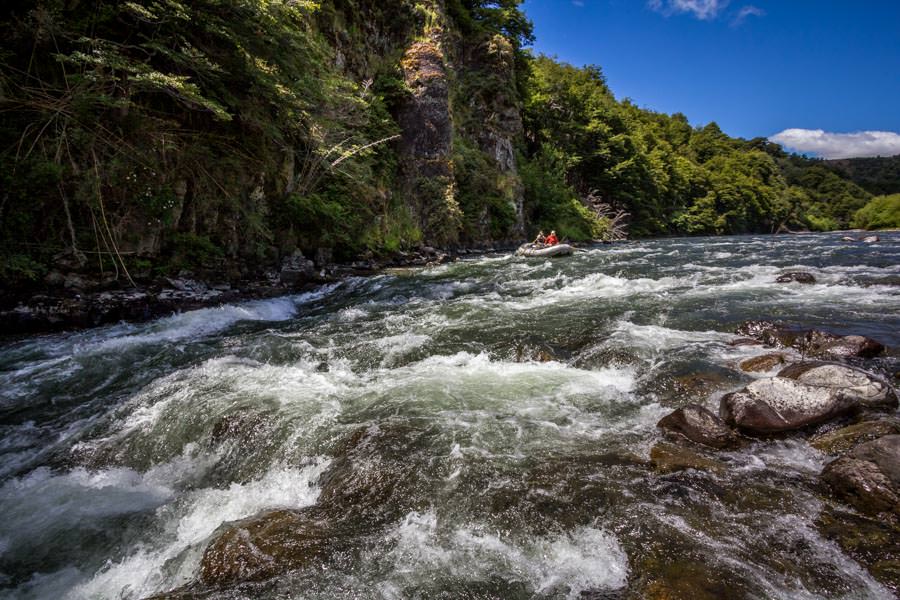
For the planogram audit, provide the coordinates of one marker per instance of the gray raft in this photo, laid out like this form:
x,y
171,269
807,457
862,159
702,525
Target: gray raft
x,y
535,251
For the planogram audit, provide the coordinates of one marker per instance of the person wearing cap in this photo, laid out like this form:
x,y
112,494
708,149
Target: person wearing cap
x,y
540,239
552,240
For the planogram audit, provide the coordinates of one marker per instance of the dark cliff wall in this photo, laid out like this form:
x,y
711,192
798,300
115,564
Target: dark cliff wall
x,y
148,137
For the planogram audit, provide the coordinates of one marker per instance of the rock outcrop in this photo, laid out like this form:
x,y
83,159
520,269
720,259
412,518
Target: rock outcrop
x,y
427,139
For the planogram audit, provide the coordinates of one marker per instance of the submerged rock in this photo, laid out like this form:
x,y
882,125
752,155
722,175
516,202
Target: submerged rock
x,y
864,387
369,484
870,239
766,362
699,425
845,438
874,543
779,404
798,276
868,477
668,458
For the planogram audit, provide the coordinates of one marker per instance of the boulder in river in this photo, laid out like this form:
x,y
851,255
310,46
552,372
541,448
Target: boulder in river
x,y
797,276
821,344
870,239
264,546
868,477
699,425
779,404
864,387
814,343
843,439
766,362
769,333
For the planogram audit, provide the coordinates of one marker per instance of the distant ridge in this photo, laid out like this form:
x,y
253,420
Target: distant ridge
x,y
877,175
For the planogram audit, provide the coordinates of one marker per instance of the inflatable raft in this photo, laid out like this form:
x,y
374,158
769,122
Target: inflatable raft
x,y
536,251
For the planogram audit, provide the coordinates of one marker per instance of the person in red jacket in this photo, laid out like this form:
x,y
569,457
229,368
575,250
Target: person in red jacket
x,y
552,240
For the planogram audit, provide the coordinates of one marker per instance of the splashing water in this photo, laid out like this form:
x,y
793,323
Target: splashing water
x,y
524,393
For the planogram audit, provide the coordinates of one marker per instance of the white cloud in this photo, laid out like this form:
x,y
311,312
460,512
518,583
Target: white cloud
x,y
747,11
704,10
839,145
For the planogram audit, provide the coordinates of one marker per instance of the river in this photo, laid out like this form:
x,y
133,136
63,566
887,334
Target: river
x,y
522,394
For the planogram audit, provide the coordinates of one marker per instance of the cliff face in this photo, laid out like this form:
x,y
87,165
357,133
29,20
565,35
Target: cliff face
x,y
252,131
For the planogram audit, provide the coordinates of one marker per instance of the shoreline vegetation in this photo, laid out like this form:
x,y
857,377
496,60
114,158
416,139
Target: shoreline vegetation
x,y
144,139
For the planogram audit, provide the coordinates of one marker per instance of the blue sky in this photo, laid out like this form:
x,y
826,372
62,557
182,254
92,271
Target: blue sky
x,y
824,73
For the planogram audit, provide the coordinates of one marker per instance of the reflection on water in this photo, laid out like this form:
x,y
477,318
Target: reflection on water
x,y
524,394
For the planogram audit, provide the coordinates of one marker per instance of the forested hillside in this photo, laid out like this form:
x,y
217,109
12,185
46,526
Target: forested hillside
x,y
878,175
140,138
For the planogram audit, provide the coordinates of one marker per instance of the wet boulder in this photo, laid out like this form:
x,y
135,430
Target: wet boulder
x,y
763,363
699,425
769,333
267,545
844,439
815,344
861,484
821,344
868,477
866,388
796,276
870,239
779,404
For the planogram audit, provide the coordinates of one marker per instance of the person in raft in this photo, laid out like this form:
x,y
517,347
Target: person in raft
x,y
551,239
540,239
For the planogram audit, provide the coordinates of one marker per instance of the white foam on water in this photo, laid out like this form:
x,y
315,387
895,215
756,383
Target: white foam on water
x,y
585,559
197,324
790,456
188,524
656,339
564,290
396,346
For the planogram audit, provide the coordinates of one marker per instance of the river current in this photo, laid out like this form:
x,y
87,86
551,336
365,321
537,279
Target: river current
x,y
524,394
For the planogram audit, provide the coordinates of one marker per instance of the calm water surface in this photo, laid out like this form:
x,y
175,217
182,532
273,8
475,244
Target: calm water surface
x,y
528,475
